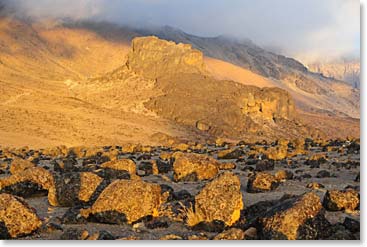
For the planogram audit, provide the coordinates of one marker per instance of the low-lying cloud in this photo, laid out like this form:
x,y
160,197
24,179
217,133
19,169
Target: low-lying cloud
x,y
309,30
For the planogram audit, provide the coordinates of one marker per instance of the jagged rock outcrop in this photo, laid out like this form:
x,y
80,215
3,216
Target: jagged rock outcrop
x,y
191,97
154,58
270,104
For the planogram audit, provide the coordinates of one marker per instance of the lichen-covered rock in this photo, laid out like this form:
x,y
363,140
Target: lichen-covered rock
x,y
28,182
277,153
299,217
180,147
17,217
230,154
71,189
315,186
226,166
336,200
89,183
124,164
261,182
19,165
231,234
221,199
134,199
283,175
200,167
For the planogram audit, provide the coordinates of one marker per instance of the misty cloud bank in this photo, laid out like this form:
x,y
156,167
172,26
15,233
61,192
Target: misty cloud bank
x,y
306,29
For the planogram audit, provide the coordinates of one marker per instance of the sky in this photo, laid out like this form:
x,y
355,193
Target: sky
x,y
309,30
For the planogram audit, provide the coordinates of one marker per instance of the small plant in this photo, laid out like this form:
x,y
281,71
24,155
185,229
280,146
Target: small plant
x,y
192,218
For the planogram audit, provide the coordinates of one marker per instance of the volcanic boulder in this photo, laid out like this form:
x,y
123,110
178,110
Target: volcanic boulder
x,y
299,217
28,182
126,200
192,167
261,182
16,217
221,199
19,165
336,200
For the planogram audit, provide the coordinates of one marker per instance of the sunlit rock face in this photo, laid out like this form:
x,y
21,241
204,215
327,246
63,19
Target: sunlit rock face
x,y
154,58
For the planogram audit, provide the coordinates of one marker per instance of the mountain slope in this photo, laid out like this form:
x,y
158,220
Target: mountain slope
x,y
348,71
73,85
286,72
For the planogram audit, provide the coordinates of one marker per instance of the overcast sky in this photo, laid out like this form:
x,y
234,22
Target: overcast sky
x,y
305,29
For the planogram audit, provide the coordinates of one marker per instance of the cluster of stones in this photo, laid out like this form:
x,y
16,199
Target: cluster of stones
x,y
107,185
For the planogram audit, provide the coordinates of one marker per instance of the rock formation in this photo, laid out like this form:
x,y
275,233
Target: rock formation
x,y
128,200
192,98
220,199
192,167
16,217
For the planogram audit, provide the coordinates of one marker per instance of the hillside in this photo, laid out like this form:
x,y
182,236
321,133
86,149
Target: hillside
x,y
78,85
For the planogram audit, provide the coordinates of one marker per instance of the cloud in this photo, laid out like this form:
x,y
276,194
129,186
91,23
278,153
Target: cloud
x,y
306,29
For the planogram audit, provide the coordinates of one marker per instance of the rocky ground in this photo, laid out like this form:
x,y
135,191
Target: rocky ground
x,y
303,189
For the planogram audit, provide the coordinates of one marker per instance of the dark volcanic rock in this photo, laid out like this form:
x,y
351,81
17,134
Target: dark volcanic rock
x,y
335,200
105,235
352,225
111,174
67,189
339,232
354,147
323,174
300,217
164,167
73,216
74,234
261,182
109,217
213,226
230,154
4,234
182,195
264,165
156,223
25,189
